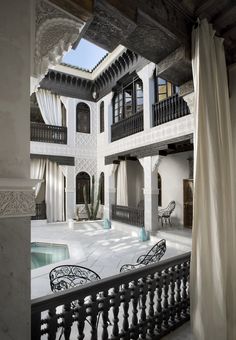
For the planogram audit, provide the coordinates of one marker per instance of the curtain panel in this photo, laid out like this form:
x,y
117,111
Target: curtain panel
x,y
122,185
37,169
50,107
54,192
213,282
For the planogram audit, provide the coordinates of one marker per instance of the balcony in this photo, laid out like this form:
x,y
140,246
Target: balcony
x,y
148,302
40,132
127,126
129,215
169,109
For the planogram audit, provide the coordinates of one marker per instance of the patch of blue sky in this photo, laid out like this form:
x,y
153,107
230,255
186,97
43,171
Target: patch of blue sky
x,y
86,55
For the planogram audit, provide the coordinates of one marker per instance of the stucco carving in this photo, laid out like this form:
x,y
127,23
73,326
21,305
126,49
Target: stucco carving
x,y
17,203
55,32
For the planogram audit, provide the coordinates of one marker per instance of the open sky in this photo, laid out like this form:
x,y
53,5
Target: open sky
x,y
86,55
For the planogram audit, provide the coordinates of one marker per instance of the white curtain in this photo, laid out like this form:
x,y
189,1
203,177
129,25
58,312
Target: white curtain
x,y
54,192
37,168
122,185
213,281
50,107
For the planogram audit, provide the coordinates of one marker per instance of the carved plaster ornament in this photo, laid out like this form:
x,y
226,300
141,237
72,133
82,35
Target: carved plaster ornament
x,y
55,32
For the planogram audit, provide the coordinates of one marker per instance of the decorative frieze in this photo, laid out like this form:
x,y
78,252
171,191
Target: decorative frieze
x,y
17,203
17,197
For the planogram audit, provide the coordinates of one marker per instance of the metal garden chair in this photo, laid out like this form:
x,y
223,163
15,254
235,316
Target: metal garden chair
x,y
70,276
165,214
154,255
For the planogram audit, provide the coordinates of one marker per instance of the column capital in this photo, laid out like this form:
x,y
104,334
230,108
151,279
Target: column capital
x,y
147,71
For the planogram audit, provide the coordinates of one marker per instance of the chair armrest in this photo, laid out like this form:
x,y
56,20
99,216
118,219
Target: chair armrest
x,y
143,258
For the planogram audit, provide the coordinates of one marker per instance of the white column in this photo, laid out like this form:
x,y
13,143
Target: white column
x,y
16,196
108,117
69,173
70,106
150,168
146,75
110,189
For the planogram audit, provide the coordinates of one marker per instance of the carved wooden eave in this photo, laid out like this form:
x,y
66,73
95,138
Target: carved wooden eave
x,y
80,87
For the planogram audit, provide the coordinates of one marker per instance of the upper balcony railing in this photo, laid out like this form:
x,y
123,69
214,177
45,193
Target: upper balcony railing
x,y
169,109
41,132
130,215
145,303
127,126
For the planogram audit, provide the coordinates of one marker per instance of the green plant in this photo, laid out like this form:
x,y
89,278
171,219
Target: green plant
x,y
92,209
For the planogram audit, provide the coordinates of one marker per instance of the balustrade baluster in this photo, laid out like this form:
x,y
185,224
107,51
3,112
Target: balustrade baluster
x,y
52,324
172,295
80,316
93,313
159,313
67,320
115,303
166,311
134,298
143,316
178,292
151,321
125,299
104,312
184,291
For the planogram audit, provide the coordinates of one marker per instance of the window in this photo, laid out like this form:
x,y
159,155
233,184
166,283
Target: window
x,y
102,189
82,179
102,117
83,118
128,100
159,190
164,89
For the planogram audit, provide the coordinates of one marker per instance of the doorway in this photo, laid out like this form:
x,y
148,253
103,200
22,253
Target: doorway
x,y
188,202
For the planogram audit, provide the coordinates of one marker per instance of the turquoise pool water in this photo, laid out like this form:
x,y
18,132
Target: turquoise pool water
x,y
47,253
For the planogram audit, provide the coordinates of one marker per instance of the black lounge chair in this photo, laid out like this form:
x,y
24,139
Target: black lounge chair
x,y
164,214
154,255
69,276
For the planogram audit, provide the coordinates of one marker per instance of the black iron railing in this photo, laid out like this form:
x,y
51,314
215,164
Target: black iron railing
x,y
127,126
133,216
48,133
145,303
40,211
169,109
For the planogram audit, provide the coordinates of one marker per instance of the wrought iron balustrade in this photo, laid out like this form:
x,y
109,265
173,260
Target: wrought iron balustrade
x,y
40,211
133,216
48,133
169,109
145,303
127,126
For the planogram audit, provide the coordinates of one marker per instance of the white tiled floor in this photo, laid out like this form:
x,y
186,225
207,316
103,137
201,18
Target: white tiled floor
x,y
103,251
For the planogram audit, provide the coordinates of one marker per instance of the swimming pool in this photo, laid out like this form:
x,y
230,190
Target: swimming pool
x,y
43,254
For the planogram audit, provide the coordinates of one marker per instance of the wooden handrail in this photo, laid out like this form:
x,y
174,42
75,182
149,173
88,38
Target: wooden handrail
x,y
41,132
127,126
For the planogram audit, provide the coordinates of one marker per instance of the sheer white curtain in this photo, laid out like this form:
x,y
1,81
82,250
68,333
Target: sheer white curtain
x,y
122,185
54,192
213,282
37,168
50,107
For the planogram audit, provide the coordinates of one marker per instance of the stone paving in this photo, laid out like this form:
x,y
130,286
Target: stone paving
x,y
103,251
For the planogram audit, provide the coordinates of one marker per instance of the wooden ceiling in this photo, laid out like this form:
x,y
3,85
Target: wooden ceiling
x,y
158,30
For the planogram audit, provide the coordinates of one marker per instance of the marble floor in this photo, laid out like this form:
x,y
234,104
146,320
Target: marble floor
x,y
103,251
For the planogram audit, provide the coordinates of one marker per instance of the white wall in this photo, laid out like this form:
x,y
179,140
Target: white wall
x,y
173,169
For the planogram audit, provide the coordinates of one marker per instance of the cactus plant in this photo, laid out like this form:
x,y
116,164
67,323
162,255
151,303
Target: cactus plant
x,y
92,210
